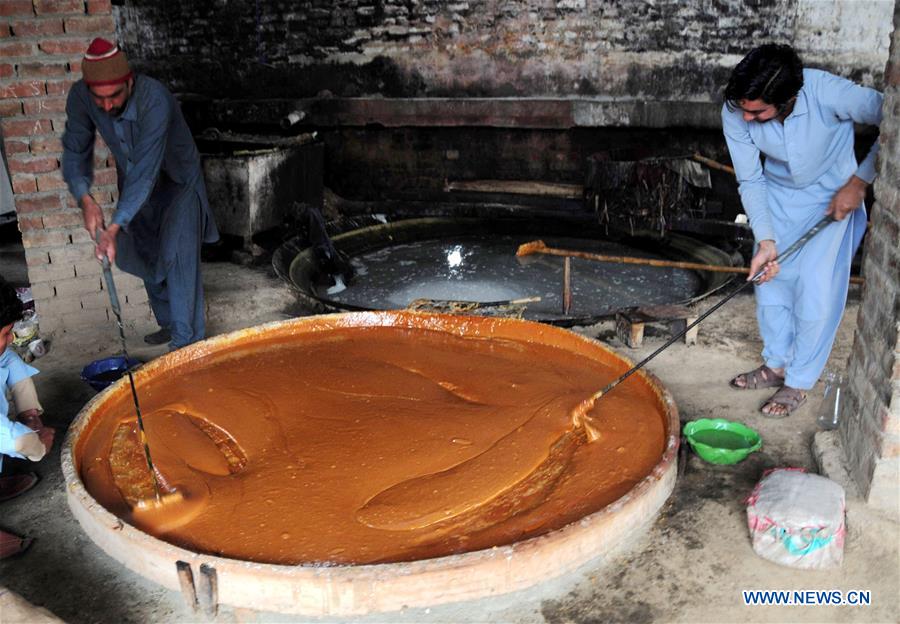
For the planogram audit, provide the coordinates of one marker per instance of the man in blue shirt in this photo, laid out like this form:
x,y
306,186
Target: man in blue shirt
x,y
790,134
162,216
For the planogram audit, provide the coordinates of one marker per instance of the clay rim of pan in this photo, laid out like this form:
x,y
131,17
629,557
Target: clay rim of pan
x,y
78,494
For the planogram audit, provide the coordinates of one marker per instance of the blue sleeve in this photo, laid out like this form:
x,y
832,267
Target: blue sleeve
x,y
78,145
850,101
9,431
16,368
749,171
149,148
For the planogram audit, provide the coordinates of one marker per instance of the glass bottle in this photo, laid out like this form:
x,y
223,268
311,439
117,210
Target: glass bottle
x,y
830,408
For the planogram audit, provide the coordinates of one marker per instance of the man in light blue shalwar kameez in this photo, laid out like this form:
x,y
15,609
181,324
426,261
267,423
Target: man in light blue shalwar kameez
x,y
162,216
801,122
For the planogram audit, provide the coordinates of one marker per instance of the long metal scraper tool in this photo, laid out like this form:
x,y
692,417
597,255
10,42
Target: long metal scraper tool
x,y
580,416
117,310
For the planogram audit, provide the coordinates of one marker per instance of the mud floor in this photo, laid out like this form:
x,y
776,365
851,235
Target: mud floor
x,y
689,567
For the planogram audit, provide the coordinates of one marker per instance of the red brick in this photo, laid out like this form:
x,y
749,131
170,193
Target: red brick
x,y
16,7
47,272
15,147
99,7
10,49
95,301
43,145
35,258
81,236
42,291
42,70
40,204
63,220
73,254
59,87
31,88
45,7
105,176
6,70
64,46
45,105
37,27
24,184
91,25
4,29
30,223
52,181
75,67
10,108
137,296
43,238
26,127
33,165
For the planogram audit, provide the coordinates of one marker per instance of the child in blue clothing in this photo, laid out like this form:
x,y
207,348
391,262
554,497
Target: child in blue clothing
x,y
22,433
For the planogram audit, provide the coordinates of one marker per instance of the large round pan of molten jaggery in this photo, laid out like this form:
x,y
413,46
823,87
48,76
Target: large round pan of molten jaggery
x,y
362,462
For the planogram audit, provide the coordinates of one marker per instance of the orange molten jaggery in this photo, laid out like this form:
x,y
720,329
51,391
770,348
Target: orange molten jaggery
x,y
373,443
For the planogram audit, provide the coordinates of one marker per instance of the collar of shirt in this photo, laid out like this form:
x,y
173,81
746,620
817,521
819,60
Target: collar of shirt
x,y
130,112
801,106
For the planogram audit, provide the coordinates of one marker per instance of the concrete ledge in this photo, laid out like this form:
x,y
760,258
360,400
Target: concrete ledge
x,y
535,113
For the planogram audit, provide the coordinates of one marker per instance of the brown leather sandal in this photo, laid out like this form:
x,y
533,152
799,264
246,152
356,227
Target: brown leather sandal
x,y
762,377
13,485
788,398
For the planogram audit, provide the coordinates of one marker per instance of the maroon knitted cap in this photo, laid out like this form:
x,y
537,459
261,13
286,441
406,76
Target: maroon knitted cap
x,y
104,64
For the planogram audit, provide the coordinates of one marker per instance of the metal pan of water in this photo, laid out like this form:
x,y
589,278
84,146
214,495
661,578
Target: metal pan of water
x,y
474,259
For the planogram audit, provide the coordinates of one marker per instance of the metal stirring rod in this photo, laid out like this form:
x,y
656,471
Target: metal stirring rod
x,y
114,303
800,242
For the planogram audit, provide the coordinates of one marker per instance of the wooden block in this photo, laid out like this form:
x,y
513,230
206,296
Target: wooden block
x,y
629,331
186,580
208,590
690,338
678,325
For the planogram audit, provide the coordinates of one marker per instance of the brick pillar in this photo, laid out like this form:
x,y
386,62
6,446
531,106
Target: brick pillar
x,y
41,46
870,418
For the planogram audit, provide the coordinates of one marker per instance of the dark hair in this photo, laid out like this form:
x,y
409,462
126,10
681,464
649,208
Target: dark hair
x,y
11,308
772,73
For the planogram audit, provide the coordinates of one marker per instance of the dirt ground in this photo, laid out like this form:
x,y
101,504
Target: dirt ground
x,y
689,567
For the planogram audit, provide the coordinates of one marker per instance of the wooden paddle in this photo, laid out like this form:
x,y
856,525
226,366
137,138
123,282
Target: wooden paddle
x,y
539,246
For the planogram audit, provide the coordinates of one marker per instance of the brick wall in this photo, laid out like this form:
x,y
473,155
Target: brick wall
x,y
870,417
41,46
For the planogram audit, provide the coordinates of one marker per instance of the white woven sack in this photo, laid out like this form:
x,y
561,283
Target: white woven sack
x,y
797,519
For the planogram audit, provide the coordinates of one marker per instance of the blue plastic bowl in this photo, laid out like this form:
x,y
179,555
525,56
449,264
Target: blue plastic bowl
x,y
101,373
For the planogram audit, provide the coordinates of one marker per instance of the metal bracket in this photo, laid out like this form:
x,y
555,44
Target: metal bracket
x,y
204,596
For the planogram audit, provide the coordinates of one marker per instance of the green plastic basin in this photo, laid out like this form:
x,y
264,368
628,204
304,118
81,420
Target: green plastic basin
x,y
721,441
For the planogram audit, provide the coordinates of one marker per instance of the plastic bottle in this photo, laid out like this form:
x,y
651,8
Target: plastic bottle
x,y
830,408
